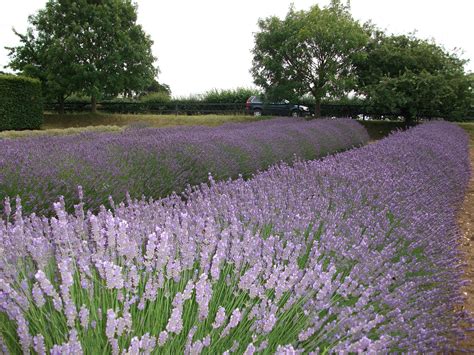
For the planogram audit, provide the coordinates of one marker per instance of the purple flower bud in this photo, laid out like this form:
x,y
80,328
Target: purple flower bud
x,y
235,346
269,323
84,317
38,344
49,290
162,338
188,290
196,348
111,324
203,296
7,207
38,295
287,350
175,323
250,349
220,318
80,193
147,344
234,321
113,275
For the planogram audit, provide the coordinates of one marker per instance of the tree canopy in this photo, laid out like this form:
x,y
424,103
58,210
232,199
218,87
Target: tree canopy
x,y
413,77
308,52
92,47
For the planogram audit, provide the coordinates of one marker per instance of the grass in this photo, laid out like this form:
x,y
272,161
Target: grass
x,y
469,127
104,119
58,131
380,129
74,123
55,124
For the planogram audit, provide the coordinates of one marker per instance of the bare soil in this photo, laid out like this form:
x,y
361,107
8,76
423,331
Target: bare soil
x,y
466,222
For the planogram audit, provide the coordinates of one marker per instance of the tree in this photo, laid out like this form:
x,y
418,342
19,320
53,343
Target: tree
x,y
93,47
413,77
308,52
44,59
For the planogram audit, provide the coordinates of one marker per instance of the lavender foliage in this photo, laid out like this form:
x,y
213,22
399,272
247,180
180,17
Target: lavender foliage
x,y
154,162
354,253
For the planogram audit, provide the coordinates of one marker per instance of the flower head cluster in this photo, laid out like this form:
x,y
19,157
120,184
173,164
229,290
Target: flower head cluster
x,y
353,253
154,162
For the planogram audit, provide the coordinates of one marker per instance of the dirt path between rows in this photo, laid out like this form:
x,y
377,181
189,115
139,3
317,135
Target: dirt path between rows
x,y
466,222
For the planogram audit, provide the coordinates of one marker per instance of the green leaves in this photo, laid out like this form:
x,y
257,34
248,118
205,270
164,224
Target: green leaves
x,y
21,106
91,47
308,52
412,77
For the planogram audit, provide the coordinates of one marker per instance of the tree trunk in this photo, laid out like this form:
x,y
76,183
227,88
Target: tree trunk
x,y
61,105
93,104
409,117
317,108
409,121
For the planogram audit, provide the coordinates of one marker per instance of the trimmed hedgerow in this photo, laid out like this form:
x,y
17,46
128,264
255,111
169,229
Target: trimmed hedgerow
x,y
21,105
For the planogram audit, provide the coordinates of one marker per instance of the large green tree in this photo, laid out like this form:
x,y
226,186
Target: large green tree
x,y
45,59
413,78
92,47
308,52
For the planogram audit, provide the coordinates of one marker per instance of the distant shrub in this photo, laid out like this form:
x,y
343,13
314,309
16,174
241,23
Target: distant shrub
x,y
21,106
343,101
156,97
79,99
120,99
189,99
238,95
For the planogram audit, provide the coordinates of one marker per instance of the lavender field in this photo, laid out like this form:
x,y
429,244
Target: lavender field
x,y
155,162
353,253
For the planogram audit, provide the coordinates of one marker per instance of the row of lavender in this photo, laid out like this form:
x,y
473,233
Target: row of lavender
x,y
155,162
357,252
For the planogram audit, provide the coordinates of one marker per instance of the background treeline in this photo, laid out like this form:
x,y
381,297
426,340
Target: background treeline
x,y
232,101
88,58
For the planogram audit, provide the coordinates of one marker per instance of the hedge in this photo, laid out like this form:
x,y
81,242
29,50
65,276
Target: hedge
x,y
21,106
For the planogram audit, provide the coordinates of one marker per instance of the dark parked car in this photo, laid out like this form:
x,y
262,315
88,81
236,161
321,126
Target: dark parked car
x,y
257,107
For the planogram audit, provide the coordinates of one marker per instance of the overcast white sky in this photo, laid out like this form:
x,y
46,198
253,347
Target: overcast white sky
x,y
206,44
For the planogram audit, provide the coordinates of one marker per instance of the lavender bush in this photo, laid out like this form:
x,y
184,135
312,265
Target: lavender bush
x,y
357,252
155,162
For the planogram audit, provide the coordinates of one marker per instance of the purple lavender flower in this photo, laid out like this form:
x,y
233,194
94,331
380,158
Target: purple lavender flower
x,y
112,164
250,349
220,318
363,242
162,338
111,325
48,289
113,275
235,318
38,295
84,317
175,323
73,346
203,296
38,344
